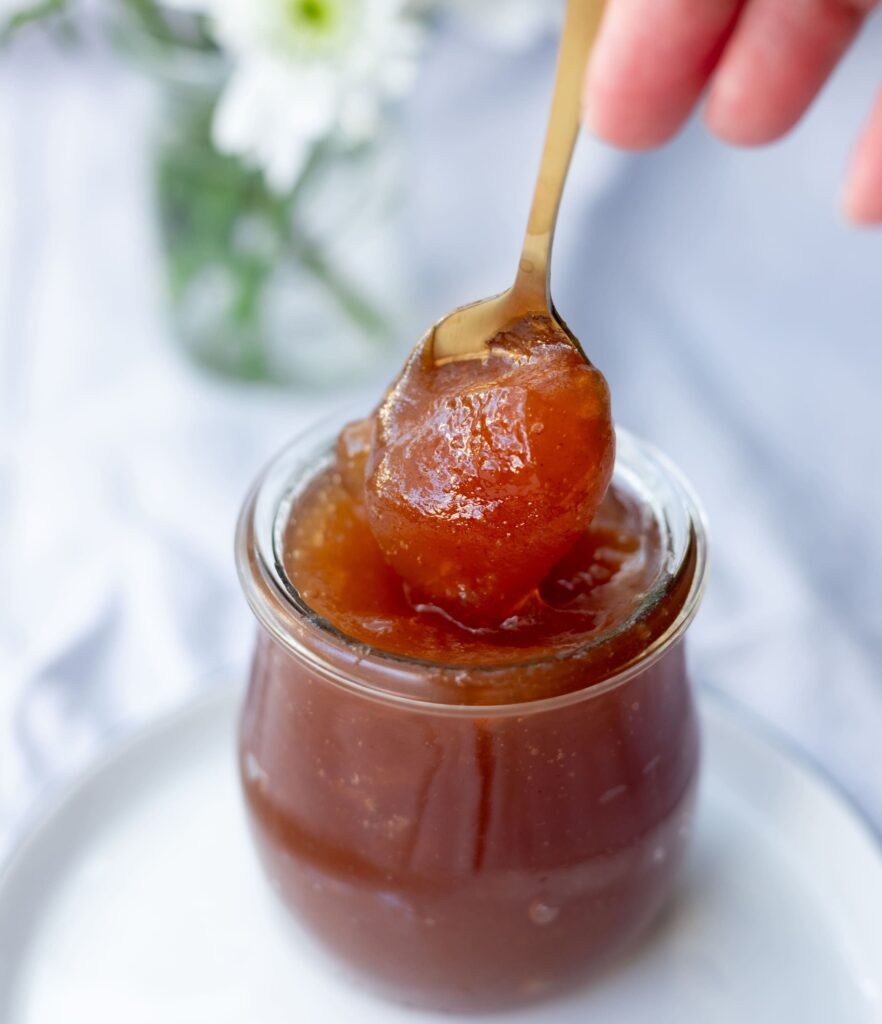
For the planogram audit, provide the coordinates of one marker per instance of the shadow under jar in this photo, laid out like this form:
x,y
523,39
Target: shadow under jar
x,y
471,836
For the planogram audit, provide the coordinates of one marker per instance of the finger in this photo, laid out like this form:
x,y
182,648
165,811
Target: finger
x,y
779,56
650,64
862,196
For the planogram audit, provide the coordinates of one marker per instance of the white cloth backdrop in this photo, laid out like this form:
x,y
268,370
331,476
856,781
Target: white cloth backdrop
x,y
738,320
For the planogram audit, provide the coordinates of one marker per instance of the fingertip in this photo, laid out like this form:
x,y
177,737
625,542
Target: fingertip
x,y
858,207
861,198
650,63
775,64
612,119
627,136
731,113
735,133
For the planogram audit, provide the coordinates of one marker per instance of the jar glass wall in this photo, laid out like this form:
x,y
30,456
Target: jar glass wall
x,y
461,847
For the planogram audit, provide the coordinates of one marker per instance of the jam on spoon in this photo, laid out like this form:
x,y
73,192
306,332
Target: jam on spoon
x,y
492,451
477,476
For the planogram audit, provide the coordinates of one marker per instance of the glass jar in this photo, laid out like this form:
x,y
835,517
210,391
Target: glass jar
x,y
308,287
461,848
295,289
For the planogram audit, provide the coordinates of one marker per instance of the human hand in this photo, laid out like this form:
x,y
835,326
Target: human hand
x,y
764,62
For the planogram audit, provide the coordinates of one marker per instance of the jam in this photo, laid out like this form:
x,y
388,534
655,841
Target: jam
x,y
471,814
477,476
333,560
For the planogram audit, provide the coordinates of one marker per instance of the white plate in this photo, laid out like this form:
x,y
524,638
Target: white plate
x,y
138,899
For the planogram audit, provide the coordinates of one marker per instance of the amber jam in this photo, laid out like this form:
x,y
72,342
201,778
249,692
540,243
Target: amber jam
x,y
471,817
476,476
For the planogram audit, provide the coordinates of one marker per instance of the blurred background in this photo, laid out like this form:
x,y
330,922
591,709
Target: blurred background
x,y
209,238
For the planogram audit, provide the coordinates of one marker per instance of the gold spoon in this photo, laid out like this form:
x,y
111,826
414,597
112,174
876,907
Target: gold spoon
x,y
466,332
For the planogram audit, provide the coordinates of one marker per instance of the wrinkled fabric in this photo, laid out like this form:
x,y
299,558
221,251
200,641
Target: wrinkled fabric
x,y
738,320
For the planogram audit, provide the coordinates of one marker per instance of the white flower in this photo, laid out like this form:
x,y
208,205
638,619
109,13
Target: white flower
x,y
270,114
306,69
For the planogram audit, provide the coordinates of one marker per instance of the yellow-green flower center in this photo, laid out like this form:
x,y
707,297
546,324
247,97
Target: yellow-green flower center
x,y
319,25
315,14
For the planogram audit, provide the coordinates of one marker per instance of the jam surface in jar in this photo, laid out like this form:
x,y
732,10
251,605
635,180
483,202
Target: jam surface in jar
x,y
598,589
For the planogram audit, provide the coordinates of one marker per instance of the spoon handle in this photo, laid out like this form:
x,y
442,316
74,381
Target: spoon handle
x,y
579,31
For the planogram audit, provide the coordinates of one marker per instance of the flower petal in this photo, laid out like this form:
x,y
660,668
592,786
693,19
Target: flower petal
x,y
271,115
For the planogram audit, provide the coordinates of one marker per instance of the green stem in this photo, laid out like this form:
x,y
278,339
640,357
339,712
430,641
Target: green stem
x,y
361,312
41,11
159,30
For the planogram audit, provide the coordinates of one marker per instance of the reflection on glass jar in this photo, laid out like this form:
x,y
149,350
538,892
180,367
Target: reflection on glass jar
x,y
471,855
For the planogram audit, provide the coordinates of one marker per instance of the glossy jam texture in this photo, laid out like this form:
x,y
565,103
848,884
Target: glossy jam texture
x,y
469,861
477,476
334,562
436,786
456,837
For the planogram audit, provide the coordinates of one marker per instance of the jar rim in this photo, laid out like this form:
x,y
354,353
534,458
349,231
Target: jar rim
x,y
280,610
